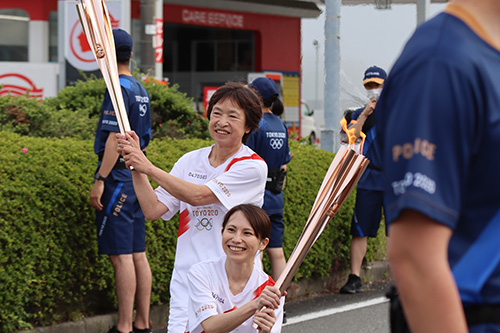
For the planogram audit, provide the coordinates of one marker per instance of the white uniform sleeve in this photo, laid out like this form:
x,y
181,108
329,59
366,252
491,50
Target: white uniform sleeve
x,y
244,182
279,317
172,203
201,304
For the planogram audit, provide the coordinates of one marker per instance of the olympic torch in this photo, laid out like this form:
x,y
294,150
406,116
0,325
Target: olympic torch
x,y
96,24
340,179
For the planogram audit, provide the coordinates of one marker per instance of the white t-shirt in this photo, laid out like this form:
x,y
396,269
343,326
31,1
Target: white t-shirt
x,y
241,179
209,295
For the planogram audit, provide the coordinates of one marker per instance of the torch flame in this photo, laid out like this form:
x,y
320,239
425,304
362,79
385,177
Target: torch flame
x,y
351,134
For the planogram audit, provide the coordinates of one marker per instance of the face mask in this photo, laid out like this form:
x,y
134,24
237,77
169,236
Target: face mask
x,y
373,93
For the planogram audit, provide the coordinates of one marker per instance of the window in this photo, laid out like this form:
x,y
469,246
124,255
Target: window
x,y
203,49
14,37
53,36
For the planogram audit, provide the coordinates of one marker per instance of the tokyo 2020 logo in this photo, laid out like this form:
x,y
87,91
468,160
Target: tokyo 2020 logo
x,y
204,223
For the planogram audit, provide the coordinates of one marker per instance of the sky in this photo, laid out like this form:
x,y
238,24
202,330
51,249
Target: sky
x,y
367,37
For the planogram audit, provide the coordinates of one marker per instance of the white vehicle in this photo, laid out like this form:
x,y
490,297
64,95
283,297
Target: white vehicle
x,y
308,124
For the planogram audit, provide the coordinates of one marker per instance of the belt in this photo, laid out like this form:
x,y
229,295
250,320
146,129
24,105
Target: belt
x,y
120,163
482,314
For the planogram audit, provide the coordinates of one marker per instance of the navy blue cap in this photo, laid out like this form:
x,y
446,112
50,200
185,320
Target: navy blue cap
x,y
123,43
265,87
374,74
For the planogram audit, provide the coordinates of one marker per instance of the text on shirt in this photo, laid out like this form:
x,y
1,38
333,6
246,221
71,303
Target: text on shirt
x,y
409,149
417,180
222,187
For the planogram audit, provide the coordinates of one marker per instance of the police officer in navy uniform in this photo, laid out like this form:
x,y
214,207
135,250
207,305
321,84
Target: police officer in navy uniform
x,y
119,219
369,195
270,141
438,123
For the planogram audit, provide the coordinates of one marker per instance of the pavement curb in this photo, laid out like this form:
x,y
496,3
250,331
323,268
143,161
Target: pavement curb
x,y
370,273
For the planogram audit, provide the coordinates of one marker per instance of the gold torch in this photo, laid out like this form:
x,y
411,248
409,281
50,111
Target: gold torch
x,y
96,25
340,179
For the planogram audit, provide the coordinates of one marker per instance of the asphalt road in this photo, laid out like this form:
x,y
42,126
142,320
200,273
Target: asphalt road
x,y
365,312
359,313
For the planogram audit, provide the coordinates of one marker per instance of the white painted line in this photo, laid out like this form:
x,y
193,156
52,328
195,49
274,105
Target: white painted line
x,y
332,311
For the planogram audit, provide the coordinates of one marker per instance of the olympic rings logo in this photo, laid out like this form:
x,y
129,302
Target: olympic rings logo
x,y
276,143
204,223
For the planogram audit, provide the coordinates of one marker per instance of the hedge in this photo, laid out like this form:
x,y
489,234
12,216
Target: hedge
x,y
74,112
49,267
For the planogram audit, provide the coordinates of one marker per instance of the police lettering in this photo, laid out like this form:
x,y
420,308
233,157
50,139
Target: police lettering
x,y
120,203
418,147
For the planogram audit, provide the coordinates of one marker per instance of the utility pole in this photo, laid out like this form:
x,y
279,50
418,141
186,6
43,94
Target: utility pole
x,y
330,136
316,46
147,64
423,9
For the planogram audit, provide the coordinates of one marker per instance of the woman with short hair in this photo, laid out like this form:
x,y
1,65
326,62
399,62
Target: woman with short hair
x,y
203,185
230,292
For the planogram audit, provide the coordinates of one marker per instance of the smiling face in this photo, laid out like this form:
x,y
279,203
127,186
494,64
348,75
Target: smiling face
x,y
227,124
239,240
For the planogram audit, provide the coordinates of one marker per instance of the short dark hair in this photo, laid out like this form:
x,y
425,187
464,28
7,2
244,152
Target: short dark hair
x,y
256,216
245,98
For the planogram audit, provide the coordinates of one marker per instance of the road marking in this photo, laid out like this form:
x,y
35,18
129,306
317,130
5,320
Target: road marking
x,y
329,312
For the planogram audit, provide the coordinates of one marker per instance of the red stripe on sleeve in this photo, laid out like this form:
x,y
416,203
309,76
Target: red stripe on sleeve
x,y
232,309
183,222
258,291
251,157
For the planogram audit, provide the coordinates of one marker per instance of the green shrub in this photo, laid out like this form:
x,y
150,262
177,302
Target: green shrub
x,y
172,113
49,268
22,115
26,116
86,95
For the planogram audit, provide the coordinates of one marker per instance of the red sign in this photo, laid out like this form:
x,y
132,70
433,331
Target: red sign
x,y
17,84
212,18
207,94
159,41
